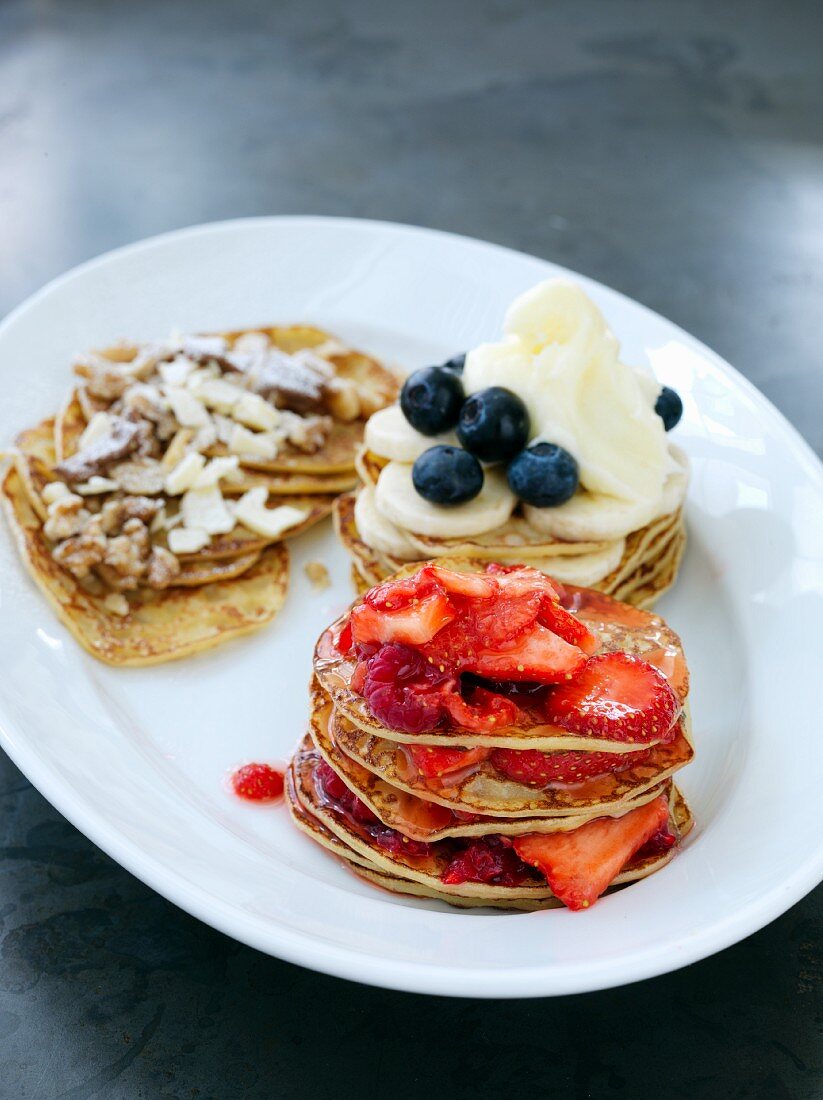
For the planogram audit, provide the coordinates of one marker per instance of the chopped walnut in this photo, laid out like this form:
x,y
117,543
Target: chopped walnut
x,y
107,379
115,513
67,516
163,568
144,402
81,553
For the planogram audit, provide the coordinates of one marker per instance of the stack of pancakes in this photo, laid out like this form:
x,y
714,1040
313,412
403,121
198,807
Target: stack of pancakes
x,y
636,569
238,580
354,787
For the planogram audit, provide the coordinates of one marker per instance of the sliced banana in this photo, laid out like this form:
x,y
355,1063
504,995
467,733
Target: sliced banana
x,y
378,532
592,516
398,500
583,569
390,435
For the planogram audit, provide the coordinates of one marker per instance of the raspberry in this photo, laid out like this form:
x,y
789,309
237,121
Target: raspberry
x,y
400,688
340,797
392,841
490,859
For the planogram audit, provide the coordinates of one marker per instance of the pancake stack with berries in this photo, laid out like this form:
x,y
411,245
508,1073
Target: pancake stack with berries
x,y
484,735
543,447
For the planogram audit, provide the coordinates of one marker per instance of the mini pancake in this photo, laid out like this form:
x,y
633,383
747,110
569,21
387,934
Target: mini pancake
x,y
307,823
647,568
620,627
284,484
481,789
241,541
338,453
161,625
426,869
419,818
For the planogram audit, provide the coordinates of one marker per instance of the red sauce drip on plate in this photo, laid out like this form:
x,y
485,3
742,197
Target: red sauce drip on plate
x,y
257,783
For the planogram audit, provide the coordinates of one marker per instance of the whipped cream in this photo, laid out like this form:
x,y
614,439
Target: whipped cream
x,y
560,357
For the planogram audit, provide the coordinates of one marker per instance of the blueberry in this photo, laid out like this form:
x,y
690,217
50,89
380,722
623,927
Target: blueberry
x,y
456,363
493,424
544,475
447,475
431,399
669,407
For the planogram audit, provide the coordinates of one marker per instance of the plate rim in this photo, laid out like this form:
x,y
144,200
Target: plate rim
x,y
348,962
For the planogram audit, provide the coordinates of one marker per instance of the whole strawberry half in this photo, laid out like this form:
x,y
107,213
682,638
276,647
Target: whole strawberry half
x,y
540,769
580,865
618,697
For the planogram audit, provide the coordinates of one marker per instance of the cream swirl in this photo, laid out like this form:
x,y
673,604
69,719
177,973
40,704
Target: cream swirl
x,y
560,357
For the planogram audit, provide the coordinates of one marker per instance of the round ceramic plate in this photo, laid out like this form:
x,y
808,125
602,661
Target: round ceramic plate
x,y
137,759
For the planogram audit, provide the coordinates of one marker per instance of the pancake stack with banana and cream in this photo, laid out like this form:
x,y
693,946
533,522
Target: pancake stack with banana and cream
x,y
543,447
484,735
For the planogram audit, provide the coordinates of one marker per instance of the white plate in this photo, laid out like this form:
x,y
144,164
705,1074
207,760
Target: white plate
x,y
137,758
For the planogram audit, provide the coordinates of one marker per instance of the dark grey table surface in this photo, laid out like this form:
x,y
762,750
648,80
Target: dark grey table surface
x,y
673,150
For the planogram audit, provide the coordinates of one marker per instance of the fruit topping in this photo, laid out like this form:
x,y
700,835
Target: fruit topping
x,y
541,769
257,782
345,802
441,628
493,424
340,797
447,475
616,696
401,689
414,624
580,865
482,710
456,363
536,654
409,693
544,475
567,626
489,859
431,399
432,761
669,407
476,586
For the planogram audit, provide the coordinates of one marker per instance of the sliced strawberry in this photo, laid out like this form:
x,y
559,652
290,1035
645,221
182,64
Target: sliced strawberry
x,y
475,586
568,626
518,580
496,622
537,654
358,677
414,624
618,697
486,710
393,595
344,639
579,865
434,760
539,769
